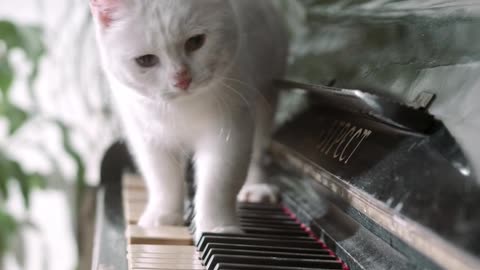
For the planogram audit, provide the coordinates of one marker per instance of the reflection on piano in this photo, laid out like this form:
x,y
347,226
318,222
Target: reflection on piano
x,y
366,183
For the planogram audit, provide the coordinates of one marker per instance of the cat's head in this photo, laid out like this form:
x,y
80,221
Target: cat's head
x,y
166,48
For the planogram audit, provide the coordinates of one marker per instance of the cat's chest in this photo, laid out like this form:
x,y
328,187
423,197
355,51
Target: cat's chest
x,y
184,125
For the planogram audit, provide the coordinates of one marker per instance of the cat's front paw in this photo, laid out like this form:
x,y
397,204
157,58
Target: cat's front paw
x,y
259,193
153,219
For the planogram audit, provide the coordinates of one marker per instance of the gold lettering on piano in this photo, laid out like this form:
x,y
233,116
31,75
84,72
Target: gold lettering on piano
x,y
342,140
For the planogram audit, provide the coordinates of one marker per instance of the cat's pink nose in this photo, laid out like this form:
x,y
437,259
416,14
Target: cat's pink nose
x,y
182,79
183,84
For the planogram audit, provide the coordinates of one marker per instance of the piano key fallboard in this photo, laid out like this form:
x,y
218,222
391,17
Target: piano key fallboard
x,y
273,239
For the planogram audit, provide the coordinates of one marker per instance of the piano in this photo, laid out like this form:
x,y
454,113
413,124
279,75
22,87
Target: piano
x,y
369,179
366,183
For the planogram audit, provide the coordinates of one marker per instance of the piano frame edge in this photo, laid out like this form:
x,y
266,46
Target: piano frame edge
x,y
414,241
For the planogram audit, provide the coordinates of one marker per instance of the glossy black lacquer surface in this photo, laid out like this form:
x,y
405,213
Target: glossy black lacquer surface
x,y
353,236
421,175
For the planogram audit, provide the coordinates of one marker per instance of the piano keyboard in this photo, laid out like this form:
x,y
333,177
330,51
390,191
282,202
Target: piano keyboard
x,y
272,239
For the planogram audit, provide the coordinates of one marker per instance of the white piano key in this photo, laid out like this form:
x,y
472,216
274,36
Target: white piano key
x,y
166,267
165,235
162,249
166,247
135,256
192,260
135,196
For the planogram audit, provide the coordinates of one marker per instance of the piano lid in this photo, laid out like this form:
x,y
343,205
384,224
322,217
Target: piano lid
x,y
411,117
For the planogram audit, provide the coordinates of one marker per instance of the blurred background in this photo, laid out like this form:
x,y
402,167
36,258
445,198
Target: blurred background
x,y
56,121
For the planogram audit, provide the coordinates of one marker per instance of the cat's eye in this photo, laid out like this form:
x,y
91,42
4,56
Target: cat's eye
x,y
147,61
194,43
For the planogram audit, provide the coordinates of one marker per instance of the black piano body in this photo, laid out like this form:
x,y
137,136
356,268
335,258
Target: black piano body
x,y
380,194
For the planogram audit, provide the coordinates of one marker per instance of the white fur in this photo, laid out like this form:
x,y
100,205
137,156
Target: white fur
x,y
224,120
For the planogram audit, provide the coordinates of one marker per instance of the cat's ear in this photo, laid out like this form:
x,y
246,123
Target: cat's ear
x,y
104,10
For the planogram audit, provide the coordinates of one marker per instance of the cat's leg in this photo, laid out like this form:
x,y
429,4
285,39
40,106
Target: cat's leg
x,y
256,188
220,173
164,173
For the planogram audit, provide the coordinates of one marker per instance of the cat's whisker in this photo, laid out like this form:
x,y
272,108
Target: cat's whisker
x,y
251,109
222,105
236,80
263,99
235,91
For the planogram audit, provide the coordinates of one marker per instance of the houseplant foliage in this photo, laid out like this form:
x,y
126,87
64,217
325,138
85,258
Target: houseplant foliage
x,y
26,40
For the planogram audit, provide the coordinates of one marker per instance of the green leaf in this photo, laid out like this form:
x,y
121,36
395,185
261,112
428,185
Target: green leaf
x,y
32,44
22,178
15,116
26,38
31,80
68,146
3,182
10,35
29,40
28,182
8,230
4,175
6,77
37,181
12,170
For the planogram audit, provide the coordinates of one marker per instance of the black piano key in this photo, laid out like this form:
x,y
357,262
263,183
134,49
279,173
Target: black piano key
x,y
255,212
268,221
269,231
233,266
259,206
205,239
273,261
261,211
292,227
253,235
244,252
266,216
254,230
271,240
260,248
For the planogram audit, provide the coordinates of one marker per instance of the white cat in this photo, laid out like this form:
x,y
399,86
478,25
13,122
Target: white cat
x,y
193,78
